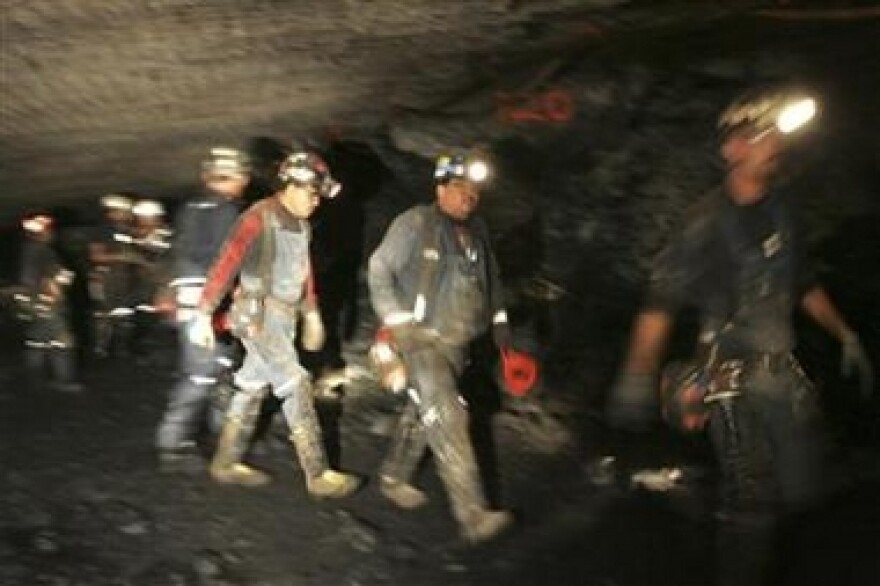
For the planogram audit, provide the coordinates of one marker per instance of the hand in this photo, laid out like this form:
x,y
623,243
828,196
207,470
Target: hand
x,y
854,360
200,330
634,402
313,334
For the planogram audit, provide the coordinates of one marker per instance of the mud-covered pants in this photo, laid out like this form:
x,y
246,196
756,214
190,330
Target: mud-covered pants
x,y
271,362
769,444
436,416
190,398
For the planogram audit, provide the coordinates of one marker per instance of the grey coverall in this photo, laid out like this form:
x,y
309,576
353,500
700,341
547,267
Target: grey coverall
x,y
269,250
463,296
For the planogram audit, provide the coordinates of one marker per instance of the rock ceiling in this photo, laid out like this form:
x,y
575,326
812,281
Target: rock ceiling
x,y
102,95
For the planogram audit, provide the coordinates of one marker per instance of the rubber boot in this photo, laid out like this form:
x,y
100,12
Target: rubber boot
x,y
227,466
407,448
321,480
402,494
457,466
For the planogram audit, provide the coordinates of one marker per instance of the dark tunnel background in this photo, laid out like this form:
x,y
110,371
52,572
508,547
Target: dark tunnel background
x,y
583,196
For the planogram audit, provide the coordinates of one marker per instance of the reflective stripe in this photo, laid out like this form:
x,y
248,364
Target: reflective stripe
x,y
182,281
203,380
420,307
50,344
396,318
500,317
223,361
146,308
121,312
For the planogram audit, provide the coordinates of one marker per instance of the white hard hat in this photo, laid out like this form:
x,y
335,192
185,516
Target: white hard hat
x,y
148,208
37,223
114,201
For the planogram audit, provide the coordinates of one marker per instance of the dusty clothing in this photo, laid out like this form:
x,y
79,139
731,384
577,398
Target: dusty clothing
x,y
743,268
459,302
269,252
48,325
47,332
465,293
200,230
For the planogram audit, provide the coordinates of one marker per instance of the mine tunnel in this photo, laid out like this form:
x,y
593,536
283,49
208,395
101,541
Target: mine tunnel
x,y
602,122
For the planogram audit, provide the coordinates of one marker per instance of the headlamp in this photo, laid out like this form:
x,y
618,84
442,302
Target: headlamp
x,y
795,114
461,166
783,111
307,168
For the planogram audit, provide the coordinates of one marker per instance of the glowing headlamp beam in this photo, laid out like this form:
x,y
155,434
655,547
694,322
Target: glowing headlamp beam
x,y
477,171
795,115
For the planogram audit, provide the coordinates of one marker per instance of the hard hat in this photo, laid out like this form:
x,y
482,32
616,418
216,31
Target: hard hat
x,y
762,110
308,168
227,161
148,208
461,165
519,372
37,223
115,201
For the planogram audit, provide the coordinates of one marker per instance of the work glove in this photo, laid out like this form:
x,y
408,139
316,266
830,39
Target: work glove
x,y
200,330
313,333
634,402
854,360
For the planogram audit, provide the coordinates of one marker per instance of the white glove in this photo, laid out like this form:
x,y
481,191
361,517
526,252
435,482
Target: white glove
x,y
313,334
201,331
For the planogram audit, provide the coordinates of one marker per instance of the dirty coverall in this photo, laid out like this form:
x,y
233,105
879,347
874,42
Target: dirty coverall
x,y
200,230
112,288
47,331
742,267
461,301
269,251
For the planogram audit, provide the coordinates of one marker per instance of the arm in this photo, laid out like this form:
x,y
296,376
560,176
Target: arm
x,y
228,263
648,342
386,264
818,305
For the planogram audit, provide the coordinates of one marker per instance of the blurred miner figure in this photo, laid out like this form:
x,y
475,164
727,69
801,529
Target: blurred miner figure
x,y
740,261
435,286
269,251
151,238
47,332
201,227
112,278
